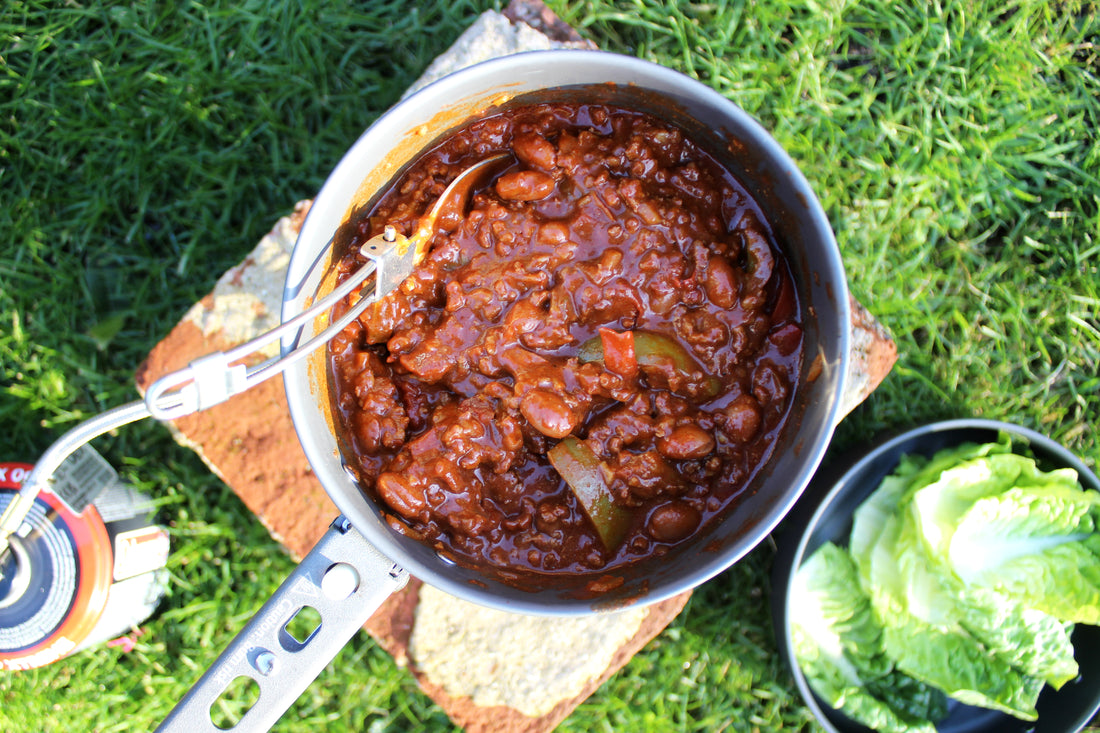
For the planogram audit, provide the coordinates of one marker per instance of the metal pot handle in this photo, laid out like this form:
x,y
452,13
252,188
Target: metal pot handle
x,y
345,579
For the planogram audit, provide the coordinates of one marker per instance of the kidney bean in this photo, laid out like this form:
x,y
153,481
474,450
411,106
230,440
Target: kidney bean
x,y
525,186
673,521
742,419
686,442
721,282
554,232
535,151
547,413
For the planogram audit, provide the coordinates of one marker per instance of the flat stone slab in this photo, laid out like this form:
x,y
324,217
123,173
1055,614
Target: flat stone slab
x,y
457,653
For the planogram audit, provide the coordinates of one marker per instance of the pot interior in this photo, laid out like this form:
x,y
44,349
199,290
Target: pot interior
x,y
802,232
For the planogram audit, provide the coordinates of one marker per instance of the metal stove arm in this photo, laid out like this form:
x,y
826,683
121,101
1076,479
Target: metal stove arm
x,y
345,579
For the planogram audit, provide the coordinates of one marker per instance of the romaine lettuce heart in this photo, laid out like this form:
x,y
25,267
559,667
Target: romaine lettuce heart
x,y
965,574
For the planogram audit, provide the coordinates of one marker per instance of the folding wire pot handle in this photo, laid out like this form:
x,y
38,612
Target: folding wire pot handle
x,y
212,379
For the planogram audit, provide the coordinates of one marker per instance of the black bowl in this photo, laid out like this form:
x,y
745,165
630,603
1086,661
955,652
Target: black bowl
x,y
825,514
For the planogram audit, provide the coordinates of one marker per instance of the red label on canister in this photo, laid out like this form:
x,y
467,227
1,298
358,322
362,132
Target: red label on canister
x,y
12,475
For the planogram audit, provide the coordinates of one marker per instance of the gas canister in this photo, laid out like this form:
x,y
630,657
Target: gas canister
x,y
86,565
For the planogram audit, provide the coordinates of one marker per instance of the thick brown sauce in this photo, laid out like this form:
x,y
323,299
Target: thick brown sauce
x,y
455,387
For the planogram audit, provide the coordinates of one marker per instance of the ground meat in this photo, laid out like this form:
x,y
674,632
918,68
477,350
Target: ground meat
x,y
614,289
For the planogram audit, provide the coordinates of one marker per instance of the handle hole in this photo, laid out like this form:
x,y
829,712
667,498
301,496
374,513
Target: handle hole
x,y
234,703
301,628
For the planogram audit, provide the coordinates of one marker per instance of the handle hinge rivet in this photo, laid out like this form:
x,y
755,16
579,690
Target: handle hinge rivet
x,y
265,663
340,582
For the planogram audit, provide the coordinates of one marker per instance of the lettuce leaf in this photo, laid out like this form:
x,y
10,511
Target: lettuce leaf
x,y
1030,640
838,644
957,664
1039,545
924,610
973,567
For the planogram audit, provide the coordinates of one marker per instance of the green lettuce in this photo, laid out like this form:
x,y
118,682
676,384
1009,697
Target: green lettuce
x,y
973,566
839,646
1037,544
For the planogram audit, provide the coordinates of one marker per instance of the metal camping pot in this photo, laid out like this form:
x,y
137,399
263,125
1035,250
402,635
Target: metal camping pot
x,y
361,560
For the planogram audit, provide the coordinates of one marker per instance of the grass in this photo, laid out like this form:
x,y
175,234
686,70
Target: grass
x,y
144,149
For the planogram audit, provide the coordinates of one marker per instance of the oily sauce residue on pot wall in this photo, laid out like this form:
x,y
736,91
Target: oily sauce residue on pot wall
x,y
610,233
